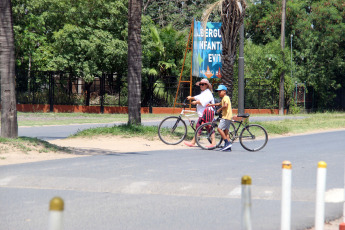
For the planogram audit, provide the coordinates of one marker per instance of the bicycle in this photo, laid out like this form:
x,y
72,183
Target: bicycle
x,y
173,129
252,137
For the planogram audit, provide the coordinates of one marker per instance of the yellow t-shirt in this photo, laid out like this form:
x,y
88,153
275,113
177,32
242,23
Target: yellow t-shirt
x,y
226,112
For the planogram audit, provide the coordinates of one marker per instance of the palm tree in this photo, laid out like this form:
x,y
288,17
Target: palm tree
x,y
232,15
9,125
134,61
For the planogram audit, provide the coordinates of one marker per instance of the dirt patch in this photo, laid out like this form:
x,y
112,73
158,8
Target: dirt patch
x,y
83,147
95,146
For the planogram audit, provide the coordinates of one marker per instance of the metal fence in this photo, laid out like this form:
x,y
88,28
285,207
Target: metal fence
x,y
260,96
61,88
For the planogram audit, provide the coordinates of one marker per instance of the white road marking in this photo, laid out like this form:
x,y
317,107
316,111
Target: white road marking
x,y
136,187
335,195
236,192
5,181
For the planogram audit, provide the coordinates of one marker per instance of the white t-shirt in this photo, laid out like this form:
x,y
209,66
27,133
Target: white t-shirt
x,y
205,97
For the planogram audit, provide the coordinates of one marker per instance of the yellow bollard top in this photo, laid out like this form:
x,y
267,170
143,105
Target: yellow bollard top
x,y
56,204
286,165
322,164
246,180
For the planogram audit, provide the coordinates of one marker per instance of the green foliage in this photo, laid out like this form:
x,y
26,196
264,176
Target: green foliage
x,y
318,29
263,66
86,38
294,108
166,49
89,38
162,58
176,12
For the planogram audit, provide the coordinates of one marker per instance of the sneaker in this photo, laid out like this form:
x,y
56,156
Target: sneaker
x,y
210,146
227,146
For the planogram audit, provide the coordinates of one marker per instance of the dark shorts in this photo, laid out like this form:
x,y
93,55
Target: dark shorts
x,y
207,116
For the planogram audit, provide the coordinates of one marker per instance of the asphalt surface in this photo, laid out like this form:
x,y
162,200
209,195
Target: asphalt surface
x,y
62,131
184,189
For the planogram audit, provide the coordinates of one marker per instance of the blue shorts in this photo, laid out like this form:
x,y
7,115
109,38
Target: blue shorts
x,y
224,124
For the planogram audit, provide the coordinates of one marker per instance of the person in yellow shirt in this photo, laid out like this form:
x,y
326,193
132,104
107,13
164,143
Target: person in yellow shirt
x,y
224,124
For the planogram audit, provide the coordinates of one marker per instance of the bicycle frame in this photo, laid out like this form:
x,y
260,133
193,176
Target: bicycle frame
x,y
238,127
191,113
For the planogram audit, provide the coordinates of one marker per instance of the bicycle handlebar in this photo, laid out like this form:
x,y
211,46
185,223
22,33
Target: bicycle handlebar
x,y
185,103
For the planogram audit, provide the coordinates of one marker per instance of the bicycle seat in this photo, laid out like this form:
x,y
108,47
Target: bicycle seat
x,y
245,115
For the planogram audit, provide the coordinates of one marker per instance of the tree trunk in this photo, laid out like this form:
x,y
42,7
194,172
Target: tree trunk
x,y
134,61
9,125
88,92
282,44
29,75
233,12
227,72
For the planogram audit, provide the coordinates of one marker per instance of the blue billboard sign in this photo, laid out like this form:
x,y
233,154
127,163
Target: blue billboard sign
x,y
207,50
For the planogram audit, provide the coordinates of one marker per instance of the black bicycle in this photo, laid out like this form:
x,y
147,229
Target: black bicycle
x,y
252,137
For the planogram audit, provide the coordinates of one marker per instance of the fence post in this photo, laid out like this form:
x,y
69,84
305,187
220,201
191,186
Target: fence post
x,y
102,89
150,92
320,195
286,196
51,91
246,203
56,208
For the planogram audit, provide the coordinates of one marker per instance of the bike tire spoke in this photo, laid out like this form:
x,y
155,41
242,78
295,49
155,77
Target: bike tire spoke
x,y
205,134
172,130
253,137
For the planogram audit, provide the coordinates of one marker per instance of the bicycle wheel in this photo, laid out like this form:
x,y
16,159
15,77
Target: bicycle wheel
x,y
253,137
172,130
204,135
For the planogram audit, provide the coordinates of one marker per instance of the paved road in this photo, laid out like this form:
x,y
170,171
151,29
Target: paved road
x,y
62,131
184,189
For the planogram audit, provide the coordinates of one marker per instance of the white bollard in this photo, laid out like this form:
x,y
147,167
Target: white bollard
x,y
246,198
286,196
320,195
342,224
56,208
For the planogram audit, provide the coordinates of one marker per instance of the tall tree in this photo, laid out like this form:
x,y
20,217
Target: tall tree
x,y
318,29
179,13
9,125
134,61
232,18
232,15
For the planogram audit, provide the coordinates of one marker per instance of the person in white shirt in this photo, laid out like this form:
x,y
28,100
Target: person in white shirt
x,y
205,113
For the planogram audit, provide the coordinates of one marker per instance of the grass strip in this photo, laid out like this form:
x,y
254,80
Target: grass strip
x,y
127,131
312,122
124,130
27,144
